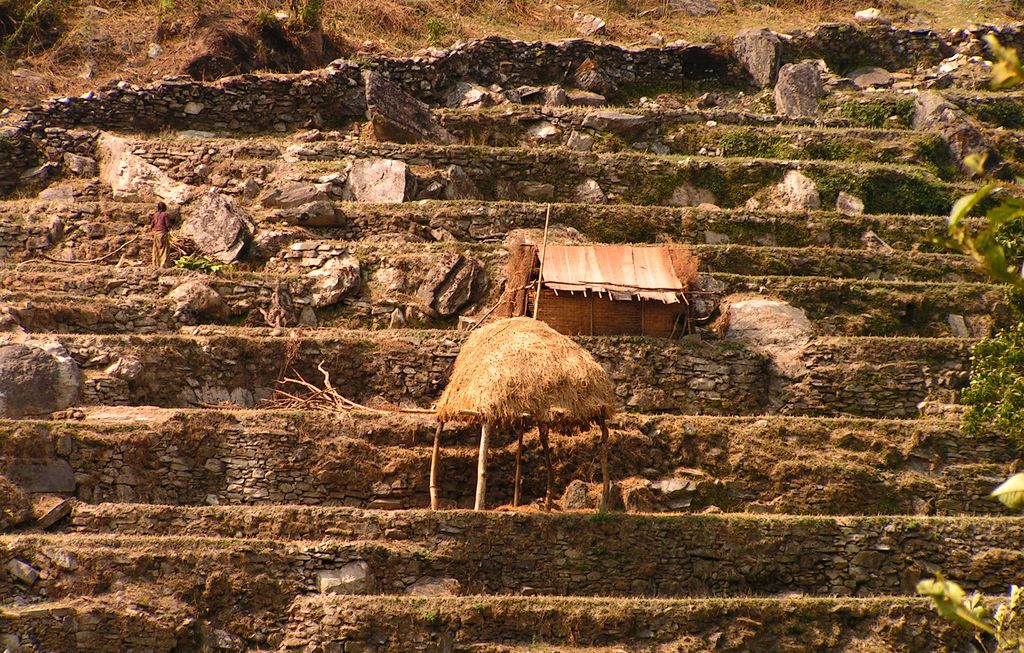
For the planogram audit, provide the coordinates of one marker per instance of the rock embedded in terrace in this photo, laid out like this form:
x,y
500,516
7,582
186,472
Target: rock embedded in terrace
x,y
798,90
195,300
466,94
80,166
459,185
454,282
334,279
292,195
430,586
690,195
380,181
963,137
218,225
796,192
759,53
131,177
770,326
36,379
398,117
695,8
588,24
848,204
353,578
589,192
617,122
870,77
589,76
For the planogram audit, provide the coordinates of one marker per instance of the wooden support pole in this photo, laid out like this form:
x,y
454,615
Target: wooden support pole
x,y
435,459
605,483
543,253
481,468
519,467
543,430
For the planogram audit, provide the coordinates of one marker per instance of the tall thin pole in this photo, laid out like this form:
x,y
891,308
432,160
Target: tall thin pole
x,y
543,251
605,484
481,468
519,470
435,457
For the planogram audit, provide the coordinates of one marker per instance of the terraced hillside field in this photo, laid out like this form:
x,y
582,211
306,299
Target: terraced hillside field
x,y
785,496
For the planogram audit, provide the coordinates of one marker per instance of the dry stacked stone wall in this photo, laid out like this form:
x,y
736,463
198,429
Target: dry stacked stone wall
x,y
334,95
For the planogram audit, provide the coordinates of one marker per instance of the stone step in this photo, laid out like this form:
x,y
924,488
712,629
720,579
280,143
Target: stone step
x,y
736,625
770,464
569,554
869,377
547,175
474,221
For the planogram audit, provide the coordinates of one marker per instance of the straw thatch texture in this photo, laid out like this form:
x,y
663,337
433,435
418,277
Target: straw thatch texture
x,y
521,370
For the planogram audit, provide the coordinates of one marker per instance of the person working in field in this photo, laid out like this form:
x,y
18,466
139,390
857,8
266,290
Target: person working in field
x,y
160,224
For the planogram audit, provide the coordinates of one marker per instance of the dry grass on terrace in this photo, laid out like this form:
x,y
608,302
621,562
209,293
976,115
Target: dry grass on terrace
x,y
80,44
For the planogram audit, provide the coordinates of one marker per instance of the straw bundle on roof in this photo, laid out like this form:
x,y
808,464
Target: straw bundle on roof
x,y
521,369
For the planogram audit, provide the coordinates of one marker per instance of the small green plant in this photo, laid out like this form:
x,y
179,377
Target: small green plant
x,y
310,12
200,263
751,143
433,618
165,7
437,29
265,19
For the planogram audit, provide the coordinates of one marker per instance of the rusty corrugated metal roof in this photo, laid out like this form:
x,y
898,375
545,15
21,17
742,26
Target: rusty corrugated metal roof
x,y
621,271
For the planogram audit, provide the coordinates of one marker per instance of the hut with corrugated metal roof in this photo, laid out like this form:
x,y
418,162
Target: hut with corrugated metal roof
x,y
602,289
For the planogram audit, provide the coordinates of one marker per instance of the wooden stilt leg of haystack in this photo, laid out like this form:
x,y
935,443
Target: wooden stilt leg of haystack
x,y
481,469
519,471
543,430
435,459
605,484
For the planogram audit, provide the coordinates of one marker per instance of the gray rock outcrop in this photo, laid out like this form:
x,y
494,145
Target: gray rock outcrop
x,y
36,379
759,53
381,181
933,112
398,117
335,279
218,225
455,281
798,90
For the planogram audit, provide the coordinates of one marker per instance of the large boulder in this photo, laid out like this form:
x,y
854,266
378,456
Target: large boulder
x,y
798,90
218,225
963,138
398,117
796,192
759,53
195,301
292,195
335,279
380,181
771,326
352,578
453,283
36,379
131,177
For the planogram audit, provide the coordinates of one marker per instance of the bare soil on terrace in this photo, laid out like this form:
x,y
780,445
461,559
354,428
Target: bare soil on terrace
x,y
52,48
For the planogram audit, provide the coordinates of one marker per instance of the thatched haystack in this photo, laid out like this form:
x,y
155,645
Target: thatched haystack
x,y
521,370
518,372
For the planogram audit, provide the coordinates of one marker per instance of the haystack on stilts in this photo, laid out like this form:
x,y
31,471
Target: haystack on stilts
x,y
516,373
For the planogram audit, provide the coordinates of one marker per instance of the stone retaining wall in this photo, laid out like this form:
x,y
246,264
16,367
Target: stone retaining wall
x,y
382,462
679,555
872,377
